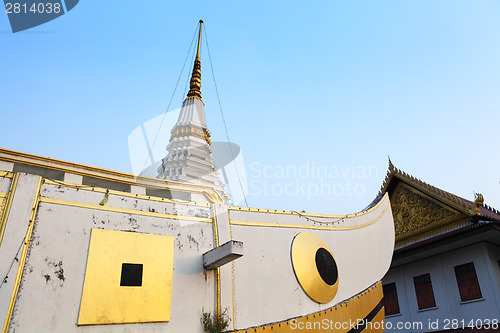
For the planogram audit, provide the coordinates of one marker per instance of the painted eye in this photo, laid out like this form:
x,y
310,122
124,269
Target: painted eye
x,y
314,267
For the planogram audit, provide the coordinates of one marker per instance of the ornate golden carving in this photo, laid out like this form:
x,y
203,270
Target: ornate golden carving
x,y
206,135
413,213
478,203
187,131
451,200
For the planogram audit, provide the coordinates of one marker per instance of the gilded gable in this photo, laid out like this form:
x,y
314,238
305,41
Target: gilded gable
x,y
416,213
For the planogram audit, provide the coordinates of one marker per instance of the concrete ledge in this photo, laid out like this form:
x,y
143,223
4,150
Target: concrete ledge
x,y
137,189
223,254
6,166
72,178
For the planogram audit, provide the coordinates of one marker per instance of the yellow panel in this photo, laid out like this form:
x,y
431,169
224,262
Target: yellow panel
x,y
104,301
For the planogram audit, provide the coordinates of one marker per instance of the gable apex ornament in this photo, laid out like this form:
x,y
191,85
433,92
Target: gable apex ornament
x,y
478,202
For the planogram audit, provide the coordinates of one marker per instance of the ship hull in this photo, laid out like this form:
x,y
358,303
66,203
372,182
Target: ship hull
x,y
66,245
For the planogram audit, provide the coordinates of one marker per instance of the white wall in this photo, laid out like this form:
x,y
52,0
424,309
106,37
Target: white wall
x,y
61,240
265,287
493,258
448,303
262,289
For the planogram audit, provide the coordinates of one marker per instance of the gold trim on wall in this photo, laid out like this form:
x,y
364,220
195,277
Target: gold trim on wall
x,y
232,280
123,210
311,227
22,259
4,213
6,174
125,194
286,212
217,270
352,311
106,174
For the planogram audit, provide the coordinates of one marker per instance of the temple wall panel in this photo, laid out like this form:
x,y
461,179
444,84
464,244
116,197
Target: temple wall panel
x,y
54,273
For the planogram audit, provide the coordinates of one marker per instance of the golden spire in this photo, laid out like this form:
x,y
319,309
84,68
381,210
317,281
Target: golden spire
x,y
195,83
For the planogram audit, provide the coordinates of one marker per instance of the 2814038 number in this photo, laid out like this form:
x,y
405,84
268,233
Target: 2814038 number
x,y
476,323
36,8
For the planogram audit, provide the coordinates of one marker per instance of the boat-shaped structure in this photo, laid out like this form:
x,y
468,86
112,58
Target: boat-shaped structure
x,y
86,249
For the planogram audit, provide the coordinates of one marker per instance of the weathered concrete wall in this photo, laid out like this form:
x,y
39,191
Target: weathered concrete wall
x,y
15,231
258,288
5,184
51,288
265,286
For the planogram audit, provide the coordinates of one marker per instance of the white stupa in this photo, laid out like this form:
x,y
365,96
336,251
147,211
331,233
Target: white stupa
x,y
189,154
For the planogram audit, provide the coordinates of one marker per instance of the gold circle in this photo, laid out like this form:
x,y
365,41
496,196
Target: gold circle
x,y
303,252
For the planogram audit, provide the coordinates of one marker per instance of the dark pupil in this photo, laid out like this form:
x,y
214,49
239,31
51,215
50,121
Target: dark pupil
x,y
326,266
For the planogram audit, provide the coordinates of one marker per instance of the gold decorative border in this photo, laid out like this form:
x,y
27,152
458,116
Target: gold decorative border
x,y
116,176
286,212
217,271
435,232
8,204
122,210
349,311
125,194
232,282
311,227
218,292
6,174
22,259
3,213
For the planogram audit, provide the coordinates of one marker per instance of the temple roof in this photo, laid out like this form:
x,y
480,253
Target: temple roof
x,y
464,205
424,214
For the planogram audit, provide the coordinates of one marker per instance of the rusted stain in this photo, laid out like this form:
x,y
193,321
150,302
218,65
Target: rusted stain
x,y
60,272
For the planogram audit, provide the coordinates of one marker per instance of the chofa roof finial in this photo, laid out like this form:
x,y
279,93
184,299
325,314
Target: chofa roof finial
x,y
478,202
391,166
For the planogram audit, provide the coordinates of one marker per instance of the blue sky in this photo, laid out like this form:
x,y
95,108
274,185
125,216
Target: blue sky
x,y
325,85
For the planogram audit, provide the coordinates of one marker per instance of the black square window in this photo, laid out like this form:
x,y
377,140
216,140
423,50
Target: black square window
x,y
131,275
